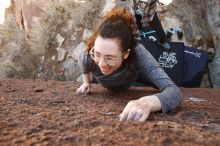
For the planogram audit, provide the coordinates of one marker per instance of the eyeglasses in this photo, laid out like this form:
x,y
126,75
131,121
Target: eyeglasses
x,y
109,59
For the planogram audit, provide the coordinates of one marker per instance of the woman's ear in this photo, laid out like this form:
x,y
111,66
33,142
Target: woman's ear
x,y
126,54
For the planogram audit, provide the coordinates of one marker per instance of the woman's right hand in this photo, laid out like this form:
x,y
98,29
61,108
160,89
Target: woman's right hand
x,y
84,88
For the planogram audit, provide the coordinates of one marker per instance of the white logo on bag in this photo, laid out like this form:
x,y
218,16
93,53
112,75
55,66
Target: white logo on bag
x,y
168,60
196,54
152,38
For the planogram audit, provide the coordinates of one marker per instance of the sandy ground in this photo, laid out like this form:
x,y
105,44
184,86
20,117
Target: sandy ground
x,y
37,112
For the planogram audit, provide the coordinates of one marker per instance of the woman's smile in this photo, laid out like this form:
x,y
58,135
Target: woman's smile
x,y
105,70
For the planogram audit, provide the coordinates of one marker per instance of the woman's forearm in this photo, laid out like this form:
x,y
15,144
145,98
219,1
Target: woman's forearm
x,y
86,78
170,98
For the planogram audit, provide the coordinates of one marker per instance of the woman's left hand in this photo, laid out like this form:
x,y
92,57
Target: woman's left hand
x,y
139,110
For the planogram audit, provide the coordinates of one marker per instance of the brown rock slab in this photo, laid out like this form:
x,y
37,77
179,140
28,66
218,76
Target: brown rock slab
x,y
37,112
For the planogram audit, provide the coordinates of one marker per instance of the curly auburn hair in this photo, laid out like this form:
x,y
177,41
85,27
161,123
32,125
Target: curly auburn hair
x,y
117,24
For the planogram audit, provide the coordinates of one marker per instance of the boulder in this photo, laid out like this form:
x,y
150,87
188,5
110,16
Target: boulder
x,y
59,39
87,34
61,54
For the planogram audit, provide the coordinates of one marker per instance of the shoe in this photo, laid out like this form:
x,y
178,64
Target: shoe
x,y
165,45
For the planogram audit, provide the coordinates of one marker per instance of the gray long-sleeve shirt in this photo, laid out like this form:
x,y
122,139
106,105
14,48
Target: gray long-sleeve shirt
x,y
142,64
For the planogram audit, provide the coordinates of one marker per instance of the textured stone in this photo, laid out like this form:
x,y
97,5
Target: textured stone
x,y
4,5
56,115
109,5
87,34
72,69
76,51
59,39
61,54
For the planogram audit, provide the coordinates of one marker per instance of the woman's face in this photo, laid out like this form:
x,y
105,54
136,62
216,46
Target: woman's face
x,y
108,55
142,4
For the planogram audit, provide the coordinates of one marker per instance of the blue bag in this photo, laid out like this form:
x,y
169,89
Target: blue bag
x,y
187,67
172,61
195,65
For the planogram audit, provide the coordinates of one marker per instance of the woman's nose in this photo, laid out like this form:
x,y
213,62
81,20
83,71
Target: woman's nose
x,y
102,62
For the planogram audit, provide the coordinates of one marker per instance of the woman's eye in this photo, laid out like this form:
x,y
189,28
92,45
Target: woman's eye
x,y
110,58
97,55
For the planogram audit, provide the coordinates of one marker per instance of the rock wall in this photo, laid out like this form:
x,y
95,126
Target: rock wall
x,y
195,20
38,38
11,44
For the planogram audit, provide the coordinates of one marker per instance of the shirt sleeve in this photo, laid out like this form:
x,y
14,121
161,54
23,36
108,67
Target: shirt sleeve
x,y
85,62
170,95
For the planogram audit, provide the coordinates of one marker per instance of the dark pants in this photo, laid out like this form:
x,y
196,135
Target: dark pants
x,y
154,24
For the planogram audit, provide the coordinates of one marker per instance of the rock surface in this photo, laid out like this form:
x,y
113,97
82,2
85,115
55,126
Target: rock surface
x,y
36,28
37,112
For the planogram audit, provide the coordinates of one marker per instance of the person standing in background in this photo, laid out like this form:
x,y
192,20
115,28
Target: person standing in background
x,y
145,14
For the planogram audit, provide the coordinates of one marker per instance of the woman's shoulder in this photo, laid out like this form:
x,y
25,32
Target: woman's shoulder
x,y
84,57
140,49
